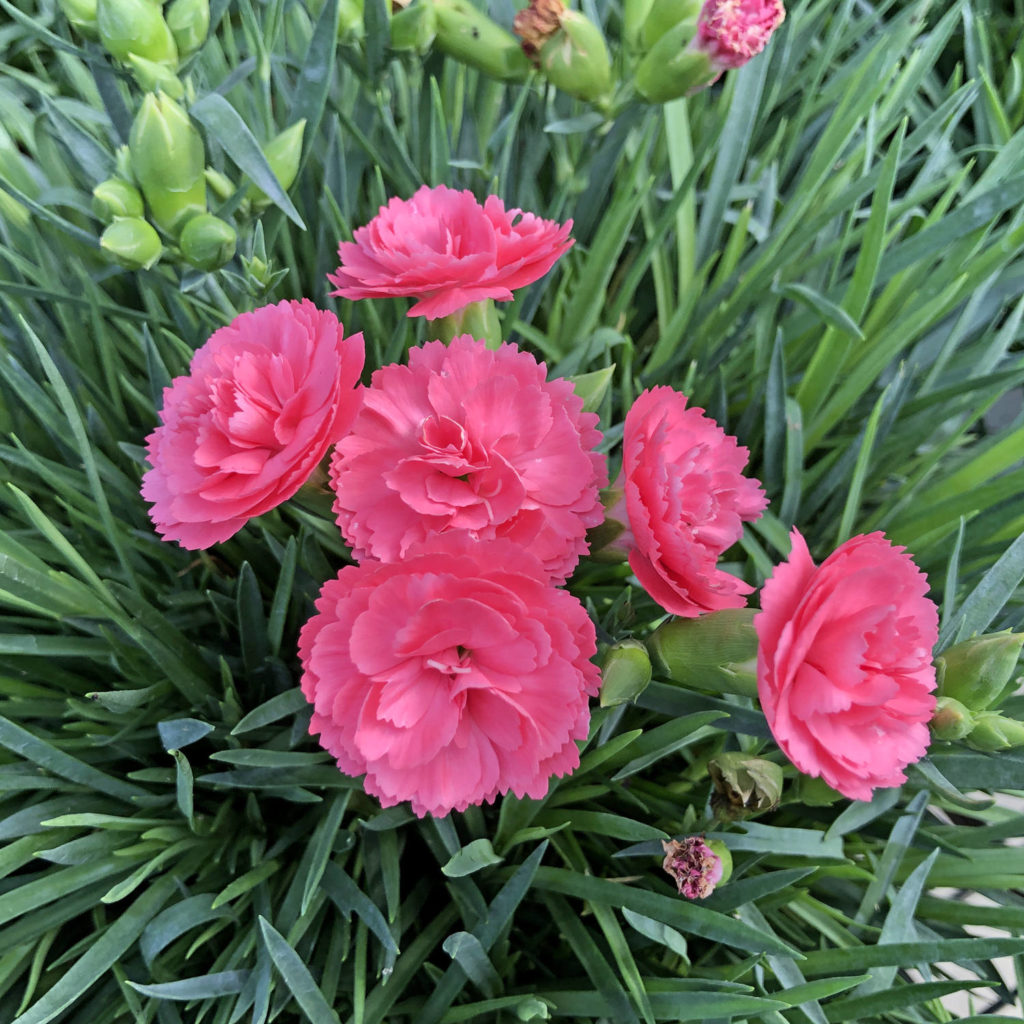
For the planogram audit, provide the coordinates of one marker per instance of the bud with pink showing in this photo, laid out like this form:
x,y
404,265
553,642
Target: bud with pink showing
x,y
682,500
697,865
691,55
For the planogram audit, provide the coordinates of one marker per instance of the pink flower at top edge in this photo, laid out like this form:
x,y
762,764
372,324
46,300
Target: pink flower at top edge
x,y
730,32
684,502
475,441
446,250
263,400
844,668
452,676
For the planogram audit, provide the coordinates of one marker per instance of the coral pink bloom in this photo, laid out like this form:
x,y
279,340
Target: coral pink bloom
x,y
730,32
264,399
474,441
844,669
452,676
684,501
445,249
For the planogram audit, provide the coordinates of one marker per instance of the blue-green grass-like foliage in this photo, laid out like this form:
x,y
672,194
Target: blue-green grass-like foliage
x,y
824,251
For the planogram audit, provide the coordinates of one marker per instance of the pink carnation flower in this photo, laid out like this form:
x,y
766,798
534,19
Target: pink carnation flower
x,y
730,32
844,669
474,441
684,501
446,250
264,399
452,676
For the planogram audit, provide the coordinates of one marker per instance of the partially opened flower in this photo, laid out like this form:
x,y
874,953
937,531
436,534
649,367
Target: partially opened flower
x,y
845,671
469,440
452,676
446,250
684,500
730,32
263,400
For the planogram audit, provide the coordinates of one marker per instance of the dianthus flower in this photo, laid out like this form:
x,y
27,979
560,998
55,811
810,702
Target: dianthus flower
x,y
452,676
844,668
263,400
446,250
730,32
684,500
469,440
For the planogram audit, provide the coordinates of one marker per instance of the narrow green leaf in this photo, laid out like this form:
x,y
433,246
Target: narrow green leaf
x,y
284,704
322,845
658,932
465,949
207,986
296,976
472,857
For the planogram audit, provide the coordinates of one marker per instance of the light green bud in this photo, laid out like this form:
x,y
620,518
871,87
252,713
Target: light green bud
x,y
468,35
189,22
978,671
413,28
168,160
994,732
207,242
670,69
951,721
722,852
135,26
715,652
132,242
116,198
664,15
350,18
283,153
221,185
625,674
743,784
82,16
153,76
575,59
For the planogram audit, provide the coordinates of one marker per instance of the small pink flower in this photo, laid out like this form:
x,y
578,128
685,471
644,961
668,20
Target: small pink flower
x,y
264,399
696,868
730,32
844,669
472,441
452,676
446,250
684,502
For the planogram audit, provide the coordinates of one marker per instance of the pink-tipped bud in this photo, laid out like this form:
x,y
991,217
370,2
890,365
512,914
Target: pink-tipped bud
x,y
730,32
697,865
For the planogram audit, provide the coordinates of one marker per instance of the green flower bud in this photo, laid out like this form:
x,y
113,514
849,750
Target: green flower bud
x,y
665,14
207,242
168,159
132,242
743,784
670,69
978,671
413,28
575,59
221,185
468,35
283,153
153,76
625,674
951,721
716,652
116,198
189,22
135,26
82,16
350,18
994,732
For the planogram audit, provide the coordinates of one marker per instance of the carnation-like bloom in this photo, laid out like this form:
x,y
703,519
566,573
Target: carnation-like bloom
x,y
469,440
263,400
452,676
446,250
683,502
730,32
844,668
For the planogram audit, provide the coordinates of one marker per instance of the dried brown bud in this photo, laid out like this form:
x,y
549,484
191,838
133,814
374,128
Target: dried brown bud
x,y
536,24
697,865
